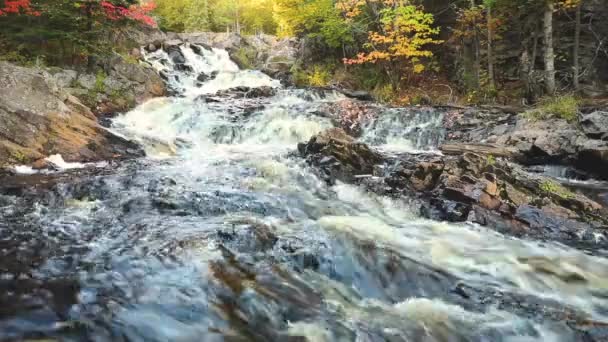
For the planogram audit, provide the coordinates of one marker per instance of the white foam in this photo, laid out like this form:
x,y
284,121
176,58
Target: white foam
x,y
57,161
24,170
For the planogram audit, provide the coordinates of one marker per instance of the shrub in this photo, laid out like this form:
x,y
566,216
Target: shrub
x,y
100,78
384,93
319,76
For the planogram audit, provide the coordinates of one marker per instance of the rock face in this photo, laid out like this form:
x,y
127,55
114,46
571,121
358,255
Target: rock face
x,y
595,125
38,118
118,86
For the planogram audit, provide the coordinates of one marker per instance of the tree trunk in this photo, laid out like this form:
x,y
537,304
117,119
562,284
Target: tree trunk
x,y
470,58
549,54
238,17
476,52
490,50
575,53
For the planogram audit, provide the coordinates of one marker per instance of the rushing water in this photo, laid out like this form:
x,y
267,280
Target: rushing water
x,y
223,234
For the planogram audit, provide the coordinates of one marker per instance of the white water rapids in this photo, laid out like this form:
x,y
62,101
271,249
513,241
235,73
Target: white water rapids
x,y
222,234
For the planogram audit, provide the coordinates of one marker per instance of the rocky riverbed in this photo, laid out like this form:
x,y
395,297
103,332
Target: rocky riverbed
x,y
265,213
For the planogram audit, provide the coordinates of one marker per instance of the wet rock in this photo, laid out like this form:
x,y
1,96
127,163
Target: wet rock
x,y
426,175
264,91
593,157
538,218
358,94
492,192
595,125
199,48
175,54
531,142
183,67
340,156
202,77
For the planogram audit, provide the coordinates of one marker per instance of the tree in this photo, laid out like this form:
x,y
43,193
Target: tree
x,y
549,56
489,4
577,42
16,7
314,19
68,31
401,43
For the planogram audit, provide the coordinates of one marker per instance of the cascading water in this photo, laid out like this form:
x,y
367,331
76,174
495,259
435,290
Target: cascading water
x,y
233,239
405,129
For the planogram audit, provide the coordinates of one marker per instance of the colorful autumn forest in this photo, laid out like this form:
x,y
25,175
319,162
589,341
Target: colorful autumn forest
x,y
402,50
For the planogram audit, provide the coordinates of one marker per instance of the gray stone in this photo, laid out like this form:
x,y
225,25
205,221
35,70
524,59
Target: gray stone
x,y
38,119
595,125
87,81
65,78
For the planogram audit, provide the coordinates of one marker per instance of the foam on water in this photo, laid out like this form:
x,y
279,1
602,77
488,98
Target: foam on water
x,y
230,236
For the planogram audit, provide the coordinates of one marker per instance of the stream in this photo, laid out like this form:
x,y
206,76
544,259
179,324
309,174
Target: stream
x,y
223,233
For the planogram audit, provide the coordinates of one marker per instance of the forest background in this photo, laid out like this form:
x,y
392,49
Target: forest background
x,y
402,51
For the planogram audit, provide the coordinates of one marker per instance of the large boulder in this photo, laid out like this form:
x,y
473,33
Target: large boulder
x,y
531,142
339,156
595,125
118,86
38,119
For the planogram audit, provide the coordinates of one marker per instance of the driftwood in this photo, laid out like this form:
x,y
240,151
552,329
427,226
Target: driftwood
x,y
486,149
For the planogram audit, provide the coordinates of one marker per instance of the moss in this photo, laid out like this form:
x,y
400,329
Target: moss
x,y
555,189
563,107
129,59
490,160
18,156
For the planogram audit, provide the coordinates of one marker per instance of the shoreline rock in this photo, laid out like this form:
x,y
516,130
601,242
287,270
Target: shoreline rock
x,y
39,117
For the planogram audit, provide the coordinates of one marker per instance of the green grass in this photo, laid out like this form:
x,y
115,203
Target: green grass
x,y
562,107
99,81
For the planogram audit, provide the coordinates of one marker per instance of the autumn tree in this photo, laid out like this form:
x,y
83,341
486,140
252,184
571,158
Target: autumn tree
x,y
401,43
67,31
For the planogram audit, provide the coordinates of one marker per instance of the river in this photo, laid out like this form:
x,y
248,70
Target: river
x,y
223,233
